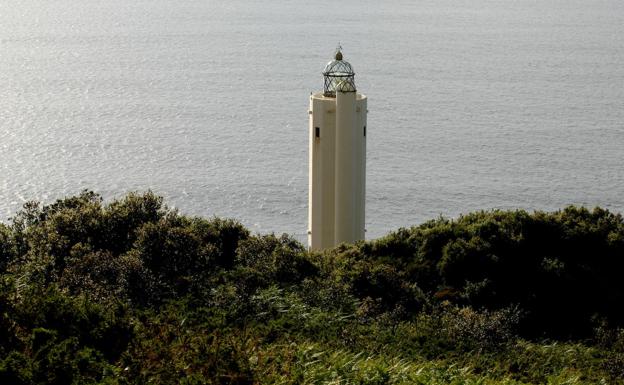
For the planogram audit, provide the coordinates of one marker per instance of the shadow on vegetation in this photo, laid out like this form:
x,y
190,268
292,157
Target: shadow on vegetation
x,y
132,292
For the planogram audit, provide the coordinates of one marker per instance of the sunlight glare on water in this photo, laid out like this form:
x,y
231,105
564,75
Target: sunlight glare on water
x,y
473,104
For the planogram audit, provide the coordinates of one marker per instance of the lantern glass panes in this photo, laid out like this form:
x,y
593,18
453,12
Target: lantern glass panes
x,y
338,76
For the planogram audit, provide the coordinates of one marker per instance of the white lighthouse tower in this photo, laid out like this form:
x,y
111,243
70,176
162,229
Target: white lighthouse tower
x,y
337,159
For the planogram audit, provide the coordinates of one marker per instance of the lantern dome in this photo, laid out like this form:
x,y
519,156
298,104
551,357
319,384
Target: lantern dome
x,y
338,76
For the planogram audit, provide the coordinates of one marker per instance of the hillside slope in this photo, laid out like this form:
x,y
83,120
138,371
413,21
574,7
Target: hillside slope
x,y
130,292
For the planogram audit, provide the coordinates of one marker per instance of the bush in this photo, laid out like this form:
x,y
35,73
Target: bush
x,y
132,292
282,260
560,268
16,369
122,219
486,330
104,328
8,250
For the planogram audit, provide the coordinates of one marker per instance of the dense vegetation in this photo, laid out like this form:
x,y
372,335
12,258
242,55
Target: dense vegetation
x,y
131,292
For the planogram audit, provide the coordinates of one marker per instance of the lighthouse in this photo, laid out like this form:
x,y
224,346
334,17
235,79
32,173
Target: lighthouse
x,y
337,158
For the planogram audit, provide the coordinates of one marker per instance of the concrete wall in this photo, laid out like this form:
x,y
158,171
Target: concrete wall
x,y
322,173
337,175
360,138
346,168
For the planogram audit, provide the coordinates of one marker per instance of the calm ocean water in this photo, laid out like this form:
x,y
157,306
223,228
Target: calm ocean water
x,y
473,104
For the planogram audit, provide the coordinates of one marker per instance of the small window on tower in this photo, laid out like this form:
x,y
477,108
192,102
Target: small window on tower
x,y
364,130
317,132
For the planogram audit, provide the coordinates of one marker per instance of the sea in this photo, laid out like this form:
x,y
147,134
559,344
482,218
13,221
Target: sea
x,y
473,104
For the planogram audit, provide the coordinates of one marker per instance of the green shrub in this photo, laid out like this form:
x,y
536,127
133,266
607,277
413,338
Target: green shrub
x,y
123,217
8,251
15,369
105,328
275,260
132,292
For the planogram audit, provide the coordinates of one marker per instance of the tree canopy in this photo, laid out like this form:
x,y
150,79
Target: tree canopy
x,y
131,291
